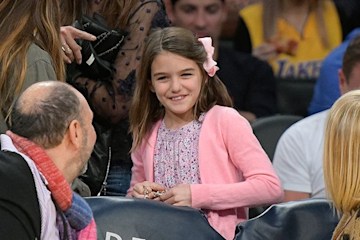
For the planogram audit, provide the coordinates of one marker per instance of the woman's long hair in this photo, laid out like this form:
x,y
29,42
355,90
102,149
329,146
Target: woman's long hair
x,y
145,108
342,152
115,12
21,24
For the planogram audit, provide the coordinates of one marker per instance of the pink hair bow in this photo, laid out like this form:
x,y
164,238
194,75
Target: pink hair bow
x,y
209,65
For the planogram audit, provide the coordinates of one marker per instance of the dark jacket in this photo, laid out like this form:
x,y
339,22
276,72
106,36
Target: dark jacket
x,y
19,208
250,82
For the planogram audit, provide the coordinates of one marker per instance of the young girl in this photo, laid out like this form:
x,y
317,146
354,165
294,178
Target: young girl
x,y
190,147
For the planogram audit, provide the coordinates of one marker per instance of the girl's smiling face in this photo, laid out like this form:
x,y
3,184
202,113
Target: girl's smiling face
x,y
176,81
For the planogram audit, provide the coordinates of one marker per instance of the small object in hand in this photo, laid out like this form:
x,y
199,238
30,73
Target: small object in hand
x,y
65,48
286,46
145,191
158,193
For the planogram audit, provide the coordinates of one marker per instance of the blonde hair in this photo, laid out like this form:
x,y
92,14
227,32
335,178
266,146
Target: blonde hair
x,y
145,108
342,152
21,24
272,12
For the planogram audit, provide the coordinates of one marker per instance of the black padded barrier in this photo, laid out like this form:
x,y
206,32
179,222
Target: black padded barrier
x,y
121,218
309,219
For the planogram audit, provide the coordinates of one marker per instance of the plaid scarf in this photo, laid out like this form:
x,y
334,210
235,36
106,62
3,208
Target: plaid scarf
x,y
74,216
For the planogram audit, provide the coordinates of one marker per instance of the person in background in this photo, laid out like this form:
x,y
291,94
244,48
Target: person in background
x,y
250,82
326,89
30,49
341,163
299,152
109,169
51,138
293,36
187,150
27,54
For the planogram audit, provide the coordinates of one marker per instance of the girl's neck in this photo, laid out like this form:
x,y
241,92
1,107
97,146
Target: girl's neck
x,y
175,122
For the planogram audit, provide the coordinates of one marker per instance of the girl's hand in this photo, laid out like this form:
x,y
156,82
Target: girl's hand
x,y
179,195
147,190
265,51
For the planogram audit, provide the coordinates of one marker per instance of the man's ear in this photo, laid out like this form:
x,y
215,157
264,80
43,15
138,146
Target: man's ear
x,y
75,133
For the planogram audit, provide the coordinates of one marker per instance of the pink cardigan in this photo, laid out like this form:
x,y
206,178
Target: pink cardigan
x,y
234,169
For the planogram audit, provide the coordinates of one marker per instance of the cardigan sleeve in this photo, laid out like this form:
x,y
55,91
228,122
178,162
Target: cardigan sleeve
x,y
254,182
142,157
137,170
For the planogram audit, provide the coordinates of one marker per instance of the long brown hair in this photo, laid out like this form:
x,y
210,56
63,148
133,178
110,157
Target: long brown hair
x,y
115,12
145,108
21,24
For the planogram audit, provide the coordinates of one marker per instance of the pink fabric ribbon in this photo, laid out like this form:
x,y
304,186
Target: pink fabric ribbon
x,y
209,65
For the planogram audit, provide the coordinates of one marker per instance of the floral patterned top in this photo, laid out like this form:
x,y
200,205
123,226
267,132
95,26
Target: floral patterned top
x,y
176,154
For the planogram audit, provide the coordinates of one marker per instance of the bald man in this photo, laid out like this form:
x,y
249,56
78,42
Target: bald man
x,y
49,143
